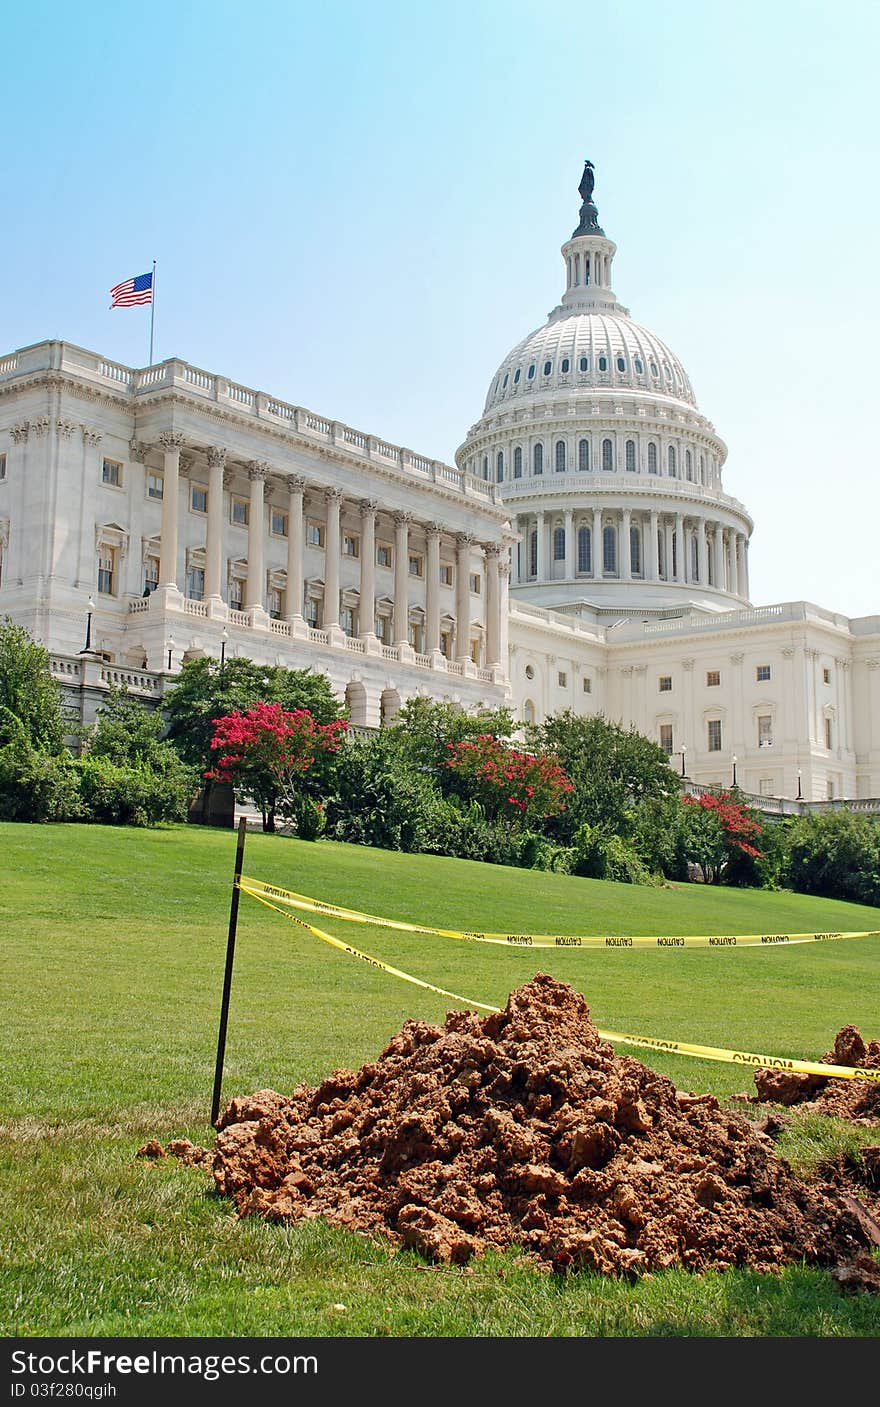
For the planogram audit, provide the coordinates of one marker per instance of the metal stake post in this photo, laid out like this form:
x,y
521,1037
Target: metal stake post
x,y
227,977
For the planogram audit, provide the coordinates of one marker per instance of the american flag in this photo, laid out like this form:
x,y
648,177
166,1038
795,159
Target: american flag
x,y
133,290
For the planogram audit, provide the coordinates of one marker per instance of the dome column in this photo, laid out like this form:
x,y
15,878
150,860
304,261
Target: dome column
x,y
569,545
731,562
625,546
597,544
702,552
541,573
667,550
652,565
741,565
680,553
719,557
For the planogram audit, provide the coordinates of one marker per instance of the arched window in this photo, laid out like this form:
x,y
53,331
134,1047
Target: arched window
x,y
560,456
695,558
499,465
702,468
639,366
654,369
584,363
516,375
584,455
585,562
609,550
635,550
517,462
531,370
485,466
566,366
621,363
652,457
548,367
670,460
603,363
631,456
505,381
538,459
533,553
559,544
528,711
689,464
607,454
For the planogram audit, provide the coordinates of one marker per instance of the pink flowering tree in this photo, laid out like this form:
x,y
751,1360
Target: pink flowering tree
x,y
518,786
280,757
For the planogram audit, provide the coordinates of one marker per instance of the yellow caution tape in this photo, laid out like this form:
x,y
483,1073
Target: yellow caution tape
x,y
259,891
546,940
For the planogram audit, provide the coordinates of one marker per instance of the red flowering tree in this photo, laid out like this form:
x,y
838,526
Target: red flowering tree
x,y
516,785
721,831
279,757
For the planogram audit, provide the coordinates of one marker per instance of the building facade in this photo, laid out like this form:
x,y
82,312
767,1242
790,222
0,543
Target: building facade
x,y
582,553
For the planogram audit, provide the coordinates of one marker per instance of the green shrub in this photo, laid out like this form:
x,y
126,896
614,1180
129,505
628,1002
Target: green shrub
x,y
116,795
600,855
835,854
34,785
379,797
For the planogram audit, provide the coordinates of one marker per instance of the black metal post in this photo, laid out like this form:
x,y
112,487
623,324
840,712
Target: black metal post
x,y
682,762
88,645
227,976
734,771
799,795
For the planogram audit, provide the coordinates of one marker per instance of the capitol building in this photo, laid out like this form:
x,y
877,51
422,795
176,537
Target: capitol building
x,y
582,553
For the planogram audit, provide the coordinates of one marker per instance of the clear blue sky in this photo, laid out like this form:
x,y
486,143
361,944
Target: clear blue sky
x,y
359,207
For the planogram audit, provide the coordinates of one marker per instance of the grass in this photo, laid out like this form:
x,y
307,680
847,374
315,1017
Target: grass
x,y
114,947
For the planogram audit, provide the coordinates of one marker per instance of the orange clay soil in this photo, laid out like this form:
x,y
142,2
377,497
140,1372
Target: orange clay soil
x,y
524,1129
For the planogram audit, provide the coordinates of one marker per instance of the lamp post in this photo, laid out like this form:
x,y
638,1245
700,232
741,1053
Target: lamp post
x,y
733,760
223,638
800,793
170,648
683,751
88,645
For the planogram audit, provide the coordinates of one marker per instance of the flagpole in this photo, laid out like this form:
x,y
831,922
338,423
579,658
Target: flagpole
x,y
152,312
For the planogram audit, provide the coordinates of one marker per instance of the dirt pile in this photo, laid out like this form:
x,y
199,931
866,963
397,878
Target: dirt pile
x,y
845,1099
524,1129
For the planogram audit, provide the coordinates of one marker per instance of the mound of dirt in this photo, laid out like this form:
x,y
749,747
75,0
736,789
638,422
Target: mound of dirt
x,y
844,1099
524,1129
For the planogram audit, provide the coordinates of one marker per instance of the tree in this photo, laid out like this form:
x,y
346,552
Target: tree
x,y
28,690
612,769
509,784
835,854
202,695
268,752
427,727
715,849
128,774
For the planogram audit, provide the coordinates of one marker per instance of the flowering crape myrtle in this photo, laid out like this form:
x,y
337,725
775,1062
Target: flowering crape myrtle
x,y
508,783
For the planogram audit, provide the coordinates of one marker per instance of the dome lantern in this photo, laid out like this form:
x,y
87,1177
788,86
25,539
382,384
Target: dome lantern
x,y
588,255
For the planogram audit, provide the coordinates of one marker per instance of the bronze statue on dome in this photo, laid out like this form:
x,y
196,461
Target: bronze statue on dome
x,y
589,222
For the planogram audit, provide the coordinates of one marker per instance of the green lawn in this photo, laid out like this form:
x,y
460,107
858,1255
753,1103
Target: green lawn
x,y
113,954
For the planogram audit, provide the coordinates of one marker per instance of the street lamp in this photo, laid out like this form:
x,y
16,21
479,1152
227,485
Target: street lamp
x,y
800,793
733,760
170,648
88,645
683,751
223,638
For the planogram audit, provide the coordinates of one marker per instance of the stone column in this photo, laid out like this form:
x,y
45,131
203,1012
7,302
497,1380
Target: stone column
x,y
293,594
258,473
171,445
702,552
432,590
492,551
569,545
652,564
367,614
333,499
541,573
741,564
731,563
463,543
214,538
597,544
719,557
625,547
400,631
680,549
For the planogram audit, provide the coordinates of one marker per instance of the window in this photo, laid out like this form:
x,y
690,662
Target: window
x,y
584,553
666,738
588,686
635,550
548,367
713,678
584,364
346,620
530,671
383,554
416,564
765,730
517,462
533,554
485,466
445,573
516,376
476,650
446,643
713,734
763,673
474,581
314,533
609,550
631,456
621,364
195,583
106,571
415,635
505,381
584,455
151,574
689,464
499,465
239,511
538,459
559,544
2,466
236,591
531,372
765,786
665,683
607,454
277,523
111,473
828,734
312,612
383,629
670,460
198,498
603,363
565,366
639,366
560,456
562,679
155,485
652,458
826,676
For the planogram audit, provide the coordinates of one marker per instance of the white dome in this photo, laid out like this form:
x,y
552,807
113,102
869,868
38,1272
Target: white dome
x,y
577,350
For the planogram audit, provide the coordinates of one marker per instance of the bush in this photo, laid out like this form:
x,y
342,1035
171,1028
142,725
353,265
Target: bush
x,y
598,855
34,785
116,795
379,797
835,854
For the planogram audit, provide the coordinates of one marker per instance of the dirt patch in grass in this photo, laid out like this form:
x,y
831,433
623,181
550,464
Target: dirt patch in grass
x,y
525,1129
842,1098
